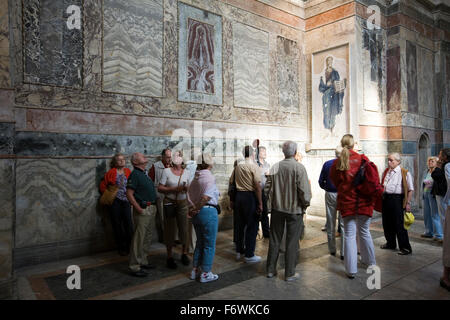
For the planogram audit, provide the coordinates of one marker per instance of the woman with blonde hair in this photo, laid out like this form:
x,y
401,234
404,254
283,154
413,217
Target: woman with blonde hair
x,y
120,209
431,218
356,208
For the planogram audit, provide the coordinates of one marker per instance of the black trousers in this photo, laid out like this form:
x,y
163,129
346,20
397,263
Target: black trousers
x,y
247,222
122,224
393,221
265,225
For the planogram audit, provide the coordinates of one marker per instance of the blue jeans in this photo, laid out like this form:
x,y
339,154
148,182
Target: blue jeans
x,y
431,216
206,223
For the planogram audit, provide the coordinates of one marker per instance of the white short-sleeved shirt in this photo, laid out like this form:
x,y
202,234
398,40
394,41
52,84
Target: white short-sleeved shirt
x,y
168,179
393,181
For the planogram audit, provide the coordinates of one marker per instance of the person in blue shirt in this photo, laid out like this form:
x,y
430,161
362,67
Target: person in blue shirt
x,y
330,205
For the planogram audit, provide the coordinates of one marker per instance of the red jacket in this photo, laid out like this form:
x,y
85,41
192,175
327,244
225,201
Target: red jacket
x,y
349,202
110,178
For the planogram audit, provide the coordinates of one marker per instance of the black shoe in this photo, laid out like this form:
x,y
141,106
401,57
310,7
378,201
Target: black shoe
x,y
342,257
185,260
427,236
385,246
148,266
171,263
177,242
123,253
139,273
404,252
333,254
444,285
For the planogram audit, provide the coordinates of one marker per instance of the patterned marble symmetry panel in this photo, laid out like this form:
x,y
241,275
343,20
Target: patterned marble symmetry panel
x,y
287,72
199,56
250,67
411,63
55,201
53,42
133,47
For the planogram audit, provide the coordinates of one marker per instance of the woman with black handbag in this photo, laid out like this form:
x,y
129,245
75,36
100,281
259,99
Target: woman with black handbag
x,y
174,184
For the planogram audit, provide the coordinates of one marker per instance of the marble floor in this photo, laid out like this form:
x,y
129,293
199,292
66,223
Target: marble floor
x,y
105,276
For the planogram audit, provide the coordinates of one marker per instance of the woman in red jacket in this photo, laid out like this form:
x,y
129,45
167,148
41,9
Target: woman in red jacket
x,y
356,209
120,210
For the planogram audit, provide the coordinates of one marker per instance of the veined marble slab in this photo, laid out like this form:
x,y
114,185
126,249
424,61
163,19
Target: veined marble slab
x,y
199,56
5,79
53,42
287,72
250,67
55,201
133,47
425,78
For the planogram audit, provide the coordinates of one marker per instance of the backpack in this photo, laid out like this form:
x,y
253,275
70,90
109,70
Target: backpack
x,y
367,180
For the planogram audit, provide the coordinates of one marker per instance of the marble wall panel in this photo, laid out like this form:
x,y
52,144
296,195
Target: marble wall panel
x,y
411,64
250,67
6,218
55,201
393,85
7,138
53,42
5,78
447,77
7,105
199,56
425,67
288,53
133,47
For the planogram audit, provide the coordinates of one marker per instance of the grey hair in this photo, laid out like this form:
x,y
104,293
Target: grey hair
x,y
289,148
134,156
396,156
338,151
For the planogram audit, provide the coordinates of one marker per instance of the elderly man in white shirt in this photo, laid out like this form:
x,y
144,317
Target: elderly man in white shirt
x,y
398,191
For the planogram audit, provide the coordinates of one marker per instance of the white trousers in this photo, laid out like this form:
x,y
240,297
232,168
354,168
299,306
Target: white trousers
x,y
353,225
331,204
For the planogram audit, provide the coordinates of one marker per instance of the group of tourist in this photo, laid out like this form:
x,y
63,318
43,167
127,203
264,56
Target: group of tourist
x,y
180,197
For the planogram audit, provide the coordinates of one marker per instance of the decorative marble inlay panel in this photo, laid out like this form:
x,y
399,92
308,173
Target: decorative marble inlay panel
x,y
250,67
55,201
133,47
199,56
393,84
53,42
287,72
330,97
411,64
425,78
5,79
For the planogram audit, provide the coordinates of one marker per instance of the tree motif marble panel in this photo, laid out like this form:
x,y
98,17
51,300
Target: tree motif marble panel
x,y
250,67
53,42
199,56
411,63
287,73
133,47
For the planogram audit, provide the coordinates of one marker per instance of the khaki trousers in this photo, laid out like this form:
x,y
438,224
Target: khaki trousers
x,y
180,221
142,237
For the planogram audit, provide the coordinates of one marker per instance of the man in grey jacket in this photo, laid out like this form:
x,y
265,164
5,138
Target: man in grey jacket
x,y
289,194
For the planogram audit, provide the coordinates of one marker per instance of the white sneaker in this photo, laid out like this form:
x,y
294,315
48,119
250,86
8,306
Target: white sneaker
x,y
195,273
208,277
254,259
293,278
